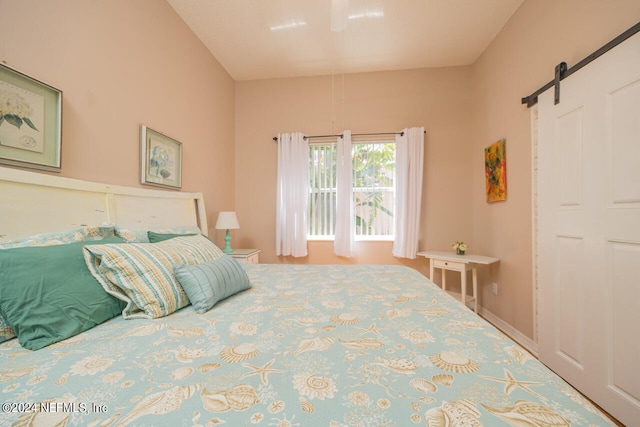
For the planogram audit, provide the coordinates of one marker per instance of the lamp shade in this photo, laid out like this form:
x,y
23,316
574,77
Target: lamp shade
x,y
227,221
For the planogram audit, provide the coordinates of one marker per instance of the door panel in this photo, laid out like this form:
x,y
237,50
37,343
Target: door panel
x,y
624,374
588,230
624,122
569,129
568,308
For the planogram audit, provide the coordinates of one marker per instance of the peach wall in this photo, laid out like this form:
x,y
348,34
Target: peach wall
x,y
522,58
120,64
438,99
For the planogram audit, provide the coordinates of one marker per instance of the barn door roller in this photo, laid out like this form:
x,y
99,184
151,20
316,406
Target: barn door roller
x,y
563,72
561,68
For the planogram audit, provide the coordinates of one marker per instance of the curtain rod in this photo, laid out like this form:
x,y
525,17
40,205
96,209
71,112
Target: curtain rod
x,y
275,138
562,72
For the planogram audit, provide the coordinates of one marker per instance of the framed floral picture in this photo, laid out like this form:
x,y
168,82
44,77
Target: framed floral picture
x,y
495,170
30,121
161,159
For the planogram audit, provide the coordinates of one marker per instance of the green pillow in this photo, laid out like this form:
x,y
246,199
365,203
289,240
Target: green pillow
x,y
207,283
161,237
47,293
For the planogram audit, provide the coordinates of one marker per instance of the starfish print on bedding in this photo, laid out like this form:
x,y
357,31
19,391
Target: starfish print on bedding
x,y
263,371
373,329
510,383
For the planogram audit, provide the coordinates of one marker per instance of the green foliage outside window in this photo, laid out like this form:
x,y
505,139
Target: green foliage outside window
x,y
373,188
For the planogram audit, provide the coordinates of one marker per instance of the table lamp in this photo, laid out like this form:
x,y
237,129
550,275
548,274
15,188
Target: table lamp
x,y
227,221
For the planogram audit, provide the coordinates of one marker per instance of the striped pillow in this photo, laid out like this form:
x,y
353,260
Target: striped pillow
x,y
141,274
6,331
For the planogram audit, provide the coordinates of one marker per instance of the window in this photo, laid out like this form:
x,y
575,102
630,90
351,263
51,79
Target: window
x,y
373,190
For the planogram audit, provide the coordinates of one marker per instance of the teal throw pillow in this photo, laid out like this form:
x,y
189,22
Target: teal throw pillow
x,y
161,237
207,283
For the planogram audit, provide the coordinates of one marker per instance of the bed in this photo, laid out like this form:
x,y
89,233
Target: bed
x,y
301,345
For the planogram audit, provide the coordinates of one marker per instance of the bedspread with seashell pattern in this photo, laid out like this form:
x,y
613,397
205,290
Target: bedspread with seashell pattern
x,y
307,346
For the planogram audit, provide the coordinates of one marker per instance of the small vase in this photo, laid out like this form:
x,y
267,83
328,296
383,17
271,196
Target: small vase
x,y
459,252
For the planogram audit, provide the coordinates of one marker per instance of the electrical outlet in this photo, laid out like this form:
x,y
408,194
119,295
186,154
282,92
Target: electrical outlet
x,y
494,288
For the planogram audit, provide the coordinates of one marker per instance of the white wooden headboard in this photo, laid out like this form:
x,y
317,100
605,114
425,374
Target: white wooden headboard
x,y
32,203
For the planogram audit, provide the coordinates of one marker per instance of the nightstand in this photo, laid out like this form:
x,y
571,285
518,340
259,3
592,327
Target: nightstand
x,y
246,256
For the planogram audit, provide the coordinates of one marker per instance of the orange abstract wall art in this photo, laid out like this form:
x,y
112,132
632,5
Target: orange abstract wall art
x,y
495,170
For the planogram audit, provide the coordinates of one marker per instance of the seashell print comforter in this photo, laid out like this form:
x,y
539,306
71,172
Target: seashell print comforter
x,y
306,346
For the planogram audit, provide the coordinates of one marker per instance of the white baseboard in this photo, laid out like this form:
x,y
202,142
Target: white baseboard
x,y
526,342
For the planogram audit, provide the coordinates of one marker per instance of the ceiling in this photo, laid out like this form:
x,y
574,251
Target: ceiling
x,y
259,39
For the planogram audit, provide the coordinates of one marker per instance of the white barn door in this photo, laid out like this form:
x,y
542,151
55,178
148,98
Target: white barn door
x,y
588,230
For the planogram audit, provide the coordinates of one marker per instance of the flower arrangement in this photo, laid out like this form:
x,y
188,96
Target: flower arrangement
x,y
460,247
15,110
160,159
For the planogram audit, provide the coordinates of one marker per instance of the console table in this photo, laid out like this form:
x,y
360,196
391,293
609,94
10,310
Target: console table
x,y
461,263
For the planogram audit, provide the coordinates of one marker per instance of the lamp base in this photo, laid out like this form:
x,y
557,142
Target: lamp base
x,y
227,239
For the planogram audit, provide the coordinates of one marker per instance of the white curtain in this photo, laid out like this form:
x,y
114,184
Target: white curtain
x,y
292,195
343,243
409,166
